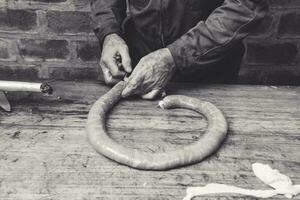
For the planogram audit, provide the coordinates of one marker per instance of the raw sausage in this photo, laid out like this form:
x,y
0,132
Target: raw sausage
x,y
196,152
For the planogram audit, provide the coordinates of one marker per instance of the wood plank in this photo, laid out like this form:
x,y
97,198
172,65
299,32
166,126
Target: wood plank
x,y
44,153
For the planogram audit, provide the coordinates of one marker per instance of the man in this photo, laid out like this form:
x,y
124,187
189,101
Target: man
x,y
200,40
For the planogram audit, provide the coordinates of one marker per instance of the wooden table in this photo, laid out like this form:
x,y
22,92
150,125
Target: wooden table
x,y
44,152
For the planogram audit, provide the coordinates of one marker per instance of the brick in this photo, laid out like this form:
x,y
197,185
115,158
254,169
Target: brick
x,y
88,51
19,72
269,76
289,25
274,53
68,22
64,73
8,50
3,49
48,5
23,20
81,5
49,1
44,49
265,26
284,4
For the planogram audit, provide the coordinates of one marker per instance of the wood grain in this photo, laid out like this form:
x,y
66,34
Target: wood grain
x,y
44,153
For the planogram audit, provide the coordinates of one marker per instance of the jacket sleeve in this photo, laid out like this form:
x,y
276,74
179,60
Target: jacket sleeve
x,y
107,16
210,40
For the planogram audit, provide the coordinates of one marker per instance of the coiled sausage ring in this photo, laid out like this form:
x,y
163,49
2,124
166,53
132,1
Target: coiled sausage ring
x,y
196,152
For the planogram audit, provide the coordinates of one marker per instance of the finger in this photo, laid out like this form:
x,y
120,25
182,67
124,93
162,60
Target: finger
x,y
152,95
133,86
109,80
126,60
113,68
112,81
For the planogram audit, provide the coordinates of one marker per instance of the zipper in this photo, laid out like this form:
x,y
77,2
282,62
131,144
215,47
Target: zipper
x,y
127,8
162,38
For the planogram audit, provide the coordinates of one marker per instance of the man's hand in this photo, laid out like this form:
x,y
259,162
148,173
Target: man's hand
x,y
151,75
115,59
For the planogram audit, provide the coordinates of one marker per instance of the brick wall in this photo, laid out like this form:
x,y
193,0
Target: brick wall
x,y
273,55
52,39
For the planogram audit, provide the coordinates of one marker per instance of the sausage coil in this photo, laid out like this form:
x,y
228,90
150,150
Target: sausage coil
x,y
193,153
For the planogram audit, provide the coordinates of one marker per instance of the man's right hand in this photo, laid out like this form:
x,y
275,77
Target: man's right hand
x,y
115,60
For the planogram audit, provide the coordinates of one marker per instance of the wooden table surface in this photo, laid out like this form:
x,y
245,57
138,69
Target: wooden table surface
x,y
44,152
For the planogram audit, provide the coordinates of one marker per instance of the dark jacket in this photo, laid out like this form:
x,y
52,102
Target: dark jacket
x,y
198,33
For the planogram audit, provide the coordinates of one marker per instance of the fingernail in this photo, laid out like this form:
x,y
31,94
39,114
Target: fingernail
x,y
127,69
125,92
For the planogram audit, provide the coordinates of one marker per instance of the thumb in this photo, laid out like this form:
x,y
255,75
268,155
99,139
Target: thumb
x,y
109,80
151,95
132,87
126,60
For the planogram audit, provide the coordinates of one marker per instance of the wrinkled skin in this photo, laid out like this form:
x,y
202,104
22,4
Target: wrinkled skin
x,y
151,75
113,71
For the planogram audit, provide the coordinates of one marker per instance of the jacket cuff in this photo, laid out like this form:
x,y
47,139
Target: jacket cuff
x,y
101,33
176,51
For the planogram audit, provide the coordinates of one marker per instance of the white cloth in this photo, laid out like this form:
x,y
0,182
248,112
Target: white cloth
x,y
281,184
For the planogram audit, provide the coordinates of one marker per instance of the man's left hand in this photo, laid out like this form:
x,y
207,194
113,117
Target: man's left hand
x,y
151,75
